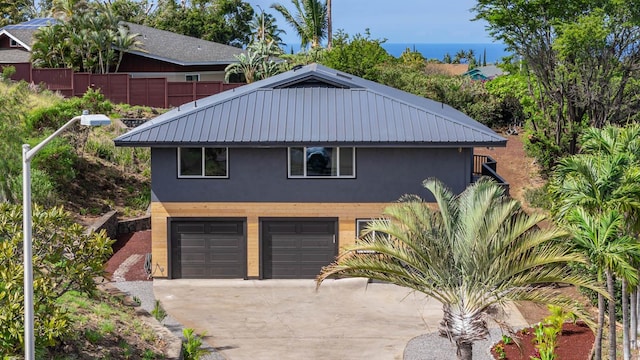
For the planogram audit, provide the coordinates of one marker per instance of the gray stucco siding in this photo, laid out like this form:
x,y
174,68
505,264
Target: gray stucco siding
x,y
260,175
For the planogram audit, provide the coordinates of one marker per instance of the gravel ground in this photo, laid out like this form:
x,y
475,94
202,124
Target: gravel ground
x,y
143,290
434,347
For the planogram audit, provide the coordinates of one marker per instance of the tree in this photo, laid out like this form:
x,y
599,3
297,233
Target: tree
x,y
598,236
222,21
264,28
92,40
64,259
17,11
309,20
125,41
581,55
358,55
473,254
605,178
256,64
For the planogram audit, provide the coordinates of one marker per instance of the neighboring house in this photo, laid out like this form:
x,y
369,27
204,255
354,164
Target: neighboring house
x,y
177,57
270,179
484,72
172,56
16,40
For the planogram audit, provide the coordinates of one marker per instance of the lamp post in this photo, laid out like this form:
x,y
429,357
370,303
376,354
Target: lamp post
x,y
27,154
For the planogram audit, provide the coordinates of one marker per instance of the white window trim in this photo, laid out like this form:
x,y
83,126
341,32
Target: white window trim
x,y
359,229
196,75
13,43
304,165
203,176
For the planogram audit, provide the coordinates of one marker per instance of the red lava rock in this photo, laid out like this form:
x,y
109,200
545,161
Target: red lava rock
x,y
125,246
574,343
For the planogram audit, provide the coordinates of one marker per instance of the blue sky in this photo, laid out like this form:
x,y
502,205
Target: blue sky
x,y
400,21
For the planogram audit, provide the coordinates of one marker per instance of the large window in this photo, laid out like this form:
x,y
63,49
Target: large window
x,y
203,162
317,161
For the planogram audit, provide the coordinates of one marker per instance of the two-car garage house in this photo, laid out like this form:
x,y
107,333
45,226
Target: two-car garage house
x,y
270,179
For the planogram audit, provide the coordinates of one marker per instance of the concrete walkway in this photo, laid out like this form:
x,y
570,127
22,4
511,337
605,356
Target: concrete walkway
x,y
288,319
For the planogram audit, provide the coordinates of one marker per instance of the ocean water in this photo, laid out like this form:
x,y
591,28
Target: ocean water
x,y
495,52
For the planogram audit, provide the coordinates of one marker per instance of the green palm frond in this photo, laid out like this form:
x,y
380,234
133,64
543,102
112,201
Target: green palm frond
x,y
473,253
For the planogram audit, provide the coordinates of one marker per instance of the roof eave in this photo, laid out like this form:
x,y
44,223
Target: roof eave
x,y
357,144
182,63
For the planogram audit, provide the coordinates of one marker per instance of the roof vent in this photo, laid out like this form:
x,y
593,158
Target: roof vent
x,y
297,67
144,36
198,47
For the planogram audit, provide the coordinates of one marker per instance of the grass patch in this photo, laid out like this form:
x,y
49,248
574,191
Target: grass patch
x,y
106,328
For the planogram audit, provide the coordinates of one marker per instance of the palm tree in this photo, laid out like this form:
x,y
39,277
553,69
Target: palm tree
x,y
598,183
474,253
264,28
597,236
125,41
256,64
309,21
612,140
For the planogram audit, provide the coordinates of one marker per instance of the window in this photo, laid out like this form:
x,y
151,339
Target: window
x,y
192,77
202,162
13,43
317,161
362,224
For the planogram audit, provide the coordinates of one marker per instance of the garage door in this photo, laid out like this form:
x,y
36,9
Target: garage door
x,y
208,249
297,249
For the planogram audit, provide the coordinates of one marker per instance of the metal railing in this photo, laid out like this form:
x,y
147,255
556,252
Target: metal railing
x,y
485,165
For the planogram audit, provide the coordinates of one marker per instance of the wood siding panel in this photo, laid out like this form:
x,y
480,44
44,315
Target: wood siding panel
x,y
347,213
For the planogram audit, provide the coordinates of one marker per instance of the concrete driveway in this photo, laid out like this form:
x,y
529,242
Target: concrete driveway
x,y
288,319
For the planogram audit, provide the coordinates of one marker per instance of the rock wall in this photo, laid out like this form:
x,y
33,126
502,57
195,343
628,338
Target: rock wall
x,y
115,227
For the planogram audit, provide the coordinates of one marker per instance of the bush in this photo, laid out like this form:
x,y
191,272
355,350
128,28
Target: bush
x,y
64,259
56,115
58,159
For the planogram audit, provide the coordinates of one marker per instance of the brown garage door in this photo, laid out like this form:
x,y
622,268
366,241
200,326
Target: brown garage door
x,y
297,249
208,249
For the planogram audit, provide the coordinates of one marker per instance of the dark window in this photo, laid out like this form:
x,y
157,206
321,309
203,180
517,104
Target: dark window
x,y
192,77
319,161
202,162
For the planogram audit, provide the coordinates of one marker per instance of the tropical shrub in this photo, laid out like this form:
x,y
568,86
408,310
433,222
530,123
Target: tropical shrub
x,y
358,55
64,259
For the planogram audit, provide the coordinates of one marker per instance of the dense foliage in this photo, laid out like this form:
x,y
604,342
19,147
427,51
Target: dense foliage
x,y
358,55
581,58
92,39
222,21
64,259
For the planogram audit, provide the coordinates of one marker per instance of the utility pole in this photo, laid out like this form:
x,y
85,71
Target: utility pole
x,y
329,35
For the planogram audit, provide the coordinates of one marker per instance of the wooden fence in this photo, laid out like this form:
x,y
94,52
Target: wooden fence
x,y
120,87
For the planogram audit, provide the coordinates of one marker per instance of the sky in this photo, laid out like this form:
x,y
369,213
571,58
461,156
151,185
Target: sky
x,y
399,21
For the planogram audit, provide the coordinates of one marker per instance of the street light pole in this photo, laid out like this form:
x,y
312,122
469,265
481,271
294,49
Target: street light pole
x,y
27,154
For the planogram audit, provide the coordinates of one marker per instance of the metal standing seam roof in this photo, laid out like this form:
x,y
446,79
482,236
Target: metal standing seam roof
x,y
281,111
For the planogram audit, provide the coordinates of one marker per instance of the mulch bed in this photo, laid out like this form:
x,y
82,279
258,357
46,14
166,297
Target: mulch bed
x,y
125,246
574,343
